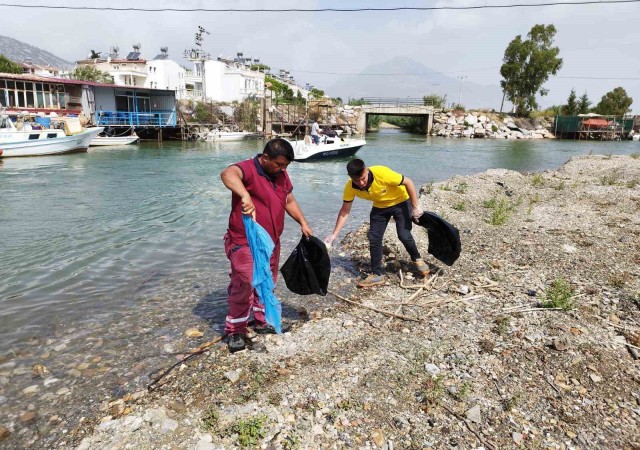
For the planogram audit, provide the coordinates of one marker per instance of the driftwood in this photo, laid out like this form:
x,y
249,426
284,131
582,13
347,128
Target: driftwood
x,y
426,282
194,352
386,313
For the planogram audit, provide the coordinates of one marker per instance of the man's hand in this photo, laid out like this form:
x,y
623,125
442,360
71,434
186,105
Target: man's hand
x,y
248,207
417,212
328,241
306,230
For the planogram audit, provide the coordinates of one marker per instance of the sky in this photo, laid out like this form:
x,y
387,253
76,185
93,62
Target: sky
x,y
598,43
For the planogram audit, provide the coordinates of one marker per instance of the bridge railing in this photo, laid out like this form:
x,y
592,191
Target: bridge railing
x,y
394,101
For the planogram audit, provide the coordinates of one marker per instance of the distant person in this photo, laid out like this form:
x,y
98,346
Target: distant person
x,y
328,131
261,188
315,132
393,195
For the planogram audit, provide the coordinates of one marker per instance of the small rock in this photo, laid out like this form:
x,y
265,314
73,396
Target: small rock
x,y
39,370
74,373
31,389
168,425
59,348
193,333
517,438
473,414
431,369
233,375
4,432
569,248
317,429
378,437
347,323
561,344
463,289
595,378
204,445
28,417
116,408
571,434
168,348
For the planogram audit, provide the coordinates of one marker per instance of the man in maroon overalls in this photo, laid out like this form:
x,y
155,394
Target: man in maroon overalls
x,y
261,188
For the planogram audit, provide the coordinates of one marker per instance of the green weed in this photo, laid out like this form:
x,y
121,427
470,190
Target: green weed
x,y
559,295
445,187
537,180
632,184
635,155
211,418
610,179
249,431
501,325
560,186
432,391
512,402
460,206
462,187
501,213
490,204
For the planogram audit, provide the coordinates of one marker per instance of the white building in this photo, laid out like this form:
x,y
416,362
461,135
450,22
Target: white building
x,y
223,80
130,71
163,73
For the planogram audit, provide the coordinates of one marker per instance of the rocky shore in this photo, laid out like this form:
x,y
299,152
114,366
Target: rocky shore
x,y
459,124
529,340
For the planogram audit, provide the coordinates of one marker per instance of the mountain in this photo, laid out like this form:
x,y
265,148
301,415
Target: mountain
x,y
18,51
370,83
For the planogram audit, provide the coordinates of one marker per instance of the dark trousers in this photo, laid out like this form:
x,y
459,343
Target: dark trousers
x,y
379,219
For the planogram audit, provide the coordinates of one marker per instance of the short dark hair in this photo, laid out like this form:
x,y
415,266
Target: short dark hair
x,y
279,147
355,167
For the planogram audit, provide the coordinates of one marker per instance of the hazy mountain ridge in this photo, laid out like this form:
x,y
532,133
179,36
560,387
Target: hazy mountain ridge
x,y
19,52
371,83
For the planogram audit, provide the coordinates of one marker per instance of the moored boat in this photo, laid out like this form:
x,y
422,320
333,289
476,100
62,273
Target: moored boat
x,y
218,135
328,148
29,141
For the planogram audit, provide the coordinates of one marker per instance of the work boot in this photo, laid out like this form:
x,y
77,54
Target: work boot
x,y
268,329
422,266
237,342
371,280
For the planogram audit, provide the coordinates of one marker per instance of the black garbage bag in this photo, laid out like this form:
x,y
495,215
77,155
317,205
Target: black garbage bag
x,y
444,238
308,268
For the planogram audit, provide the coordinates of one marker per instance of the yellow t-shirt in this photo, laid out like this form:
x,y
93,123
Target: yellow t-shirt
x,y
385,191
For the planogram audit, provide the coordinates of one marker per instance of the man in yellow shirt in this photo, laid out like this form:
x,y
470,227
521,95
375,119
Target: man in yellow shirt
x,y
393,195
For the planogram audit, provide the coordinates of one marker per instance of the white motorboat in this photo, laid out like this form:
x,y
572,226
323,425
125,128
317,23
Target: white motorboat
x,y
29,141
219,135
100,141
328,148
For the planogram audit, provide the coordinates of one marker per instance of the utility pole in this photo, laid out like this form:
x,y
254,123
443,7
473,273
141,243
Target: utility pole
x,y
199,56
461,78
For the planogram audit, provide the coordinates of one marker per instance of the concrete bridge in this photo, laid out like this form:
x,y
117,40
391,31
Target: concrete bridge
x,y
396,107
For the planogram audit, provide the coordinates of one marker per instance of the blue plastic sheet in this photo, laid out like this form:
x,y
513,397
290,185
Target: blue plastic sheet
x,y
261,247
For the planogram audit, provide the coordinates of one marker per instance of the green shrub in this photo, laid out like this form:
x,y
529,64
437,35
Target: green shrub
x,y
249,431
559,295
501,213
537,180
460,206
490,204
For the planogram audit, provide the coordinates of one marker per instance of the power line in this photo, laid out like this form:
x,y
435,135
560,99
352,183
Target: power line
x,y
453,71
287,10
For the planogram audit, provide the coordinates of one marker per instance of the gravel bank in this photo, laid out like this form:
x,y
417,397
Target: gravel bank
x,y
476,361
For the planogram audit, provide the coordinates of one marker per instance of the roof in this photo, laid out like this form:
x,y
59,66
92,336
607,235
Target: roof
x,y
41,79
596,122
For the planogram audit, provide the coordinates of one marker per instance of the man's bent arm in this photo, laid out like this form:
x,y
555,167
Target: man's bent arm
x,y
232,179
293,209
413,196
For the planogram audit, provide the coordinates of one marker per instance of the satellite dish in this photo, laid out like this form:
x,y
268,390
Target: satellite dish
x,y
116,49
164,49
136,47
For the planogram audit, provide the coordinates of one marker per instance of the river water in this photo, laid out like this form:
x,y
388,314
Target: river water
x,y
106,257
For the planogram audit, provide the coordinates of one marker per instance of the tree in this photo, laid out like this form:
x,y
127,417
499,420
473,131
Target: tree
x,y
316,93
435,100
8,66
614,103
528,65
571,108
583,104
90,73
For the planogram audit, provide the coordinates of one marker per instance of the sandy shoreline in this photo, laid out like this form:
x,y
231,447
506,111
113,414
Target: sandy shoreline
x,y
476,363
